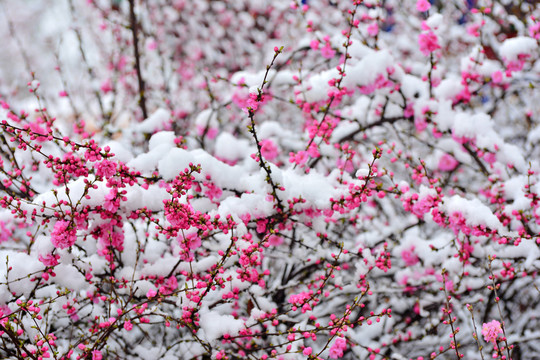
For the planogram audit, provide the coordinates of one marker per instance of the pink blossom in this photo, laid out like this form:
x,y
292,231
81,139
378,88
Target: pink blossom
x,y
63,235
212,191
313,150
516,65
128,325
497,77
420,124
491,331
447,163
49,259
428,42
463,96
37,128
5,232
327,52
178,214
423,206
96,355
106,86
490,158
170,285
307,351
209,132
409,110
152,45
409,257
191,241
105,168
373,29
275,240
337,349
299,158
423,5
112,202
269,150
473,30
534,31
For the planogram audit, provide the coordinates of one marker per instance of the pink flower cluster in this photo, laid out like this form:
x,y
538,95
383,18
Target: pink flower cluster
x,y
178,214
63,235
491,331
337,349
447,163
423,5
269,150
428,42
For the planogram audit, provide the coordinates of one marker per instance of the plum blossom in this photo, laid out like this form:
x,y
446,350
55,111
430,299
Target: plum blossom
x,y
491,331
209,132
326,51
275,240
409,257
428,42
269,150
5,232
299,158
497,77
373,29
63,235
49,259
423,5
105,168
112,202
447,163
337,349
534,30
106,86
97,355
178,214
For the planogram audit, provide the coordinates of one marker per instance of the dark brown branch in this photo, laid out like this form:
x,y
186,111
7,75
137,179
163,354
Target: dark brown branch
x,y
135,32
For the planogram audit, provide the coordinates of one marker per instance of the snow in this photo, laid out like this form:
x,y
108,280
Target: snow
x,y
513,47
365,72
448,88
121,153
161,138
474,212
21,265
469,126
175,161
317,86
215,325
251,79
156,121
231,148
69,277
435,21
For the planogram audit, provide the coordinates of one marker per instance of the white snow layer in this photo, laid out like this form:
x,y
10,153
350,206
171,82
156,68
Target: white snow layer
x,y
216,325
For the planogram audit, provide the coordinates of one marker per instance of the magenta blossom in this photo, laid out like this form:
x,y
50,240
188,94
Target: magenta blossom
x,y
428,42
423,5
337,349
409,257
491,331
269,150
447,163
63,235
